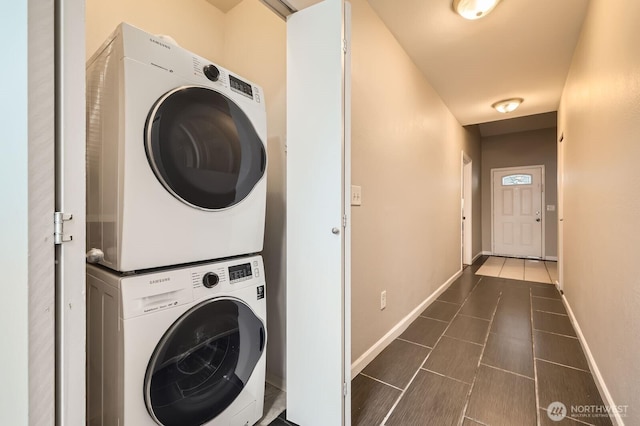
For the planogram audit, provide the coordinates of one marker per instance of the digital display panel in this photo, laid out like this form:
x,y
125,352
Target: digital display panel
x,y
240,86
240,272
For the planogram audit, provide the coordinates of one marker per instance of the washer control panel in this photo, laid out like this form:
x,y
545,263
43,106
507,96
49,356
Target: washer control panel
x,y
226,276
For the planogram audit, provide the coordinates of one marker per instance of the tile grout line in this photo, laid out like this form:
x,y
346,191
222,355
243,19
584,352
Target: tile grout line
x,y
562,365
462,340
550,298
552,313
471,316
395,404
548,272
506,371
444,375
444,301
504,260
414,343
549,312
435,319
556,334
533,353
474,420
380,381
475,376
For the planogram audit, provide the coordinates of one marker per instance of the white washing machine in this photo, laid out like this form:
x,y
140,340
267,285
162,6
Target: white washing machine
x,y
176,156
181,347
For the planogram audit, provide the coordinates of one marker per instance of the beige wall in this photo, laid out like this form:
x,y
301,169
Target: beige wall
x,y
600,118
406,155
195,24
535,147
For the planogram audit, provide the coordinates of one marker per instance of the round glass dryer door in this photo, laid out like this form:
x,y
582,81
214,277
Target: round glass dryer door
x,y
203,362
203,148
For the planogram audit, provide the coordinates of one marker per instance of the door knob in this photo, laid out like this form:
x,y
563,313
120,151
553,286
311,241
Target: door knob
x,y
538,220
335,230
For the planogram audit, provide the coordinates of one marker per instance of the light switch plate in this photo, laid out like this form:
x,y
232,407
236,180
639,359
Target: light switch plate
x,y
356,195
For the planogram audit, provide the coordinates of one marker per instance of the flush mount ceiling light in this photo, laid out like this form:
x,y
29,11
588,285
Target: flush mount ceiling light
x,y
507,105
474,9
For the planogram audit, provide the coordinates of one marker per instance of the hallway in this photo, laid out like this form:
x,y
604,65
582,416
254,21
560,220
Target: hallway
x,y
488,351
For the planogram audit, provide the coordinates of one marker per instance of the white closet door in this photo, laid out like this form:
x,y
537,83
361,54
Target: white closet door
x,y
318,281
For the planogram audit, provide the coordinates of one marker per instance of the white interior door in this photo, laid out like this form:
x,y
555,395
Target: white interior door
x,y
467,210
318,223
517,211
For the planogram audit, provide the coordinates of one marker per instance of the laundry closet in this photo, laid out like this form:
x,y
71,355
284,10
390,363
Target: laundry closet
x,y
176,201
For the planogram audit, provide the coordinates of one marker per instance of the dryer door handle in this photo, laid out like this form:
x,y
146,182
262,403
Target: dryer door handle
x,y
262,339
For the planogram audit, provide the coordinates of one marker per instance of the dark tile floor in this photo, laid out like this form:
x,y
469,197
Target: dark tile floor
x,y
488,351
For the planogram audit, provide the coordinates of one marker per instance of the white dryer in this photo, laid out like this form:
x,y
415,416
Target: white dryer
x,y
176,155
181,347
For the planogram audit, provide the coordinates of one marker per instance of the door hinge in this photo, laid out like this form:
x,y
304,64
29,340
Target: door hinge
x,y
344,45
59,219
344,389
344,220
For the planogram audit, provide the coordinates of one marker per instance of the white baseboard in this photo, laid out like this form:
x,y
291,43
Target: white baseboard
x,y
276,381
551,258
601,385
358,365
486,253
476,257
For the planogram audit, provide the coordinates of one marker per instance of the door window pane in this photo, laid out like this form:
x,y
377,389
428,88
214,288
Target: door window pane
x,y
517,180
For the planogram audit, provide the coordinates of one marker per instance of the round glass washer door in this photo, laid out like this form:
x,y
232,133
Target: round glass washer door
x,y
203,148
203,362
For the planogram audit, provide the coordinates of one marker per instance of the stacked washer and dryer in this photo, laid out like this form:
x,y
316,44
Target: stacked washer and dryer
x,y
176,191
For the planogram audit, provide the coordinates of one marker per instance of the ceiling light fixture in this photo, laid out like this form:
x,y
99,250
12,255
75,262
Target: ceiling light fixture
x,y
507,105
474,9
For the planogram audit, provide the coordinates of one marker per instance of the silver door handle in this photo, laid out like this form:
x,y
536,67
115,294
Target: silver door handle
x,y
335,230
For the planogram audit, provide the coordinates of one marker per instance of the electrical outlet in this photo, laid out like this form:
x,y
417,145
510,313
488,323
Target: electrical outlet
x,y
383,299
356,195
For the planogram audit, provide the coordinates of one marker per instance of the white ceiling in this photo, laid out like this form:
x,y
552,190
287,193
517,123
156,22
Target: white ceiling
x,y
521,49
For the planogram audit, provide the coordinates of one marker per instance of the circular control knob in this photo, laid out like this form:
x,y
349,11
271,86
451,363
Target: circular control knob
x,y
211,72
210,279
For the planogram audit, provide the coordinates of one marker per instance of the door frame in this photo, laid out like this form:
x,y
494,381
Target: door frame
x,y
561,154
70,179
466,209
542,203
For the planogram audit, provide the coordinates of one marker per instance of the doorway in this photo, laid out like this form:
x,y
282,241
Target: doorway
x,y
467,209
516,209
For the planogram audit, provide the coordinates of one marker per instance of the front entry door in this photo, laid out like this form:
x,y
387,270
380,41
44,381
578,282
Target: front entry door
x,y
517,211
